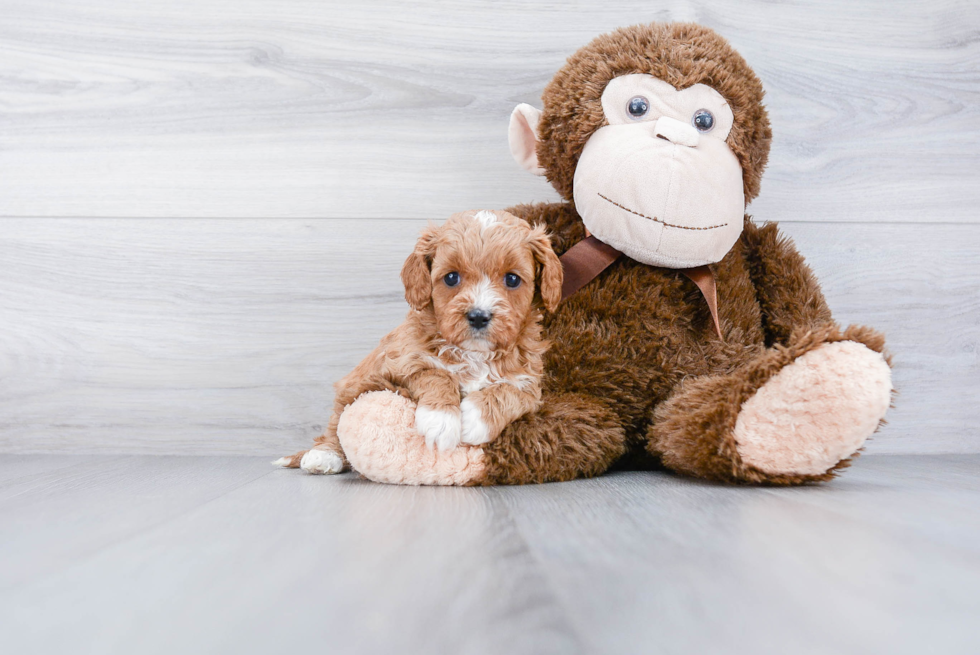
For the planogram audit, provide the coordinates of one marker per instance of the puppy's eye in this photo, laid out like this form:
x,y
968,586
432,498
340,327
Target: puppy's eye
x,y
703,120
512,280
638,107
451,279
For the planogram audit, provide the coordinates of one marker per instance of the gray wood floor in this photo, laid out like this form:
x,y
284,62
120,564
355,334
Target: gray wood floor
x,y
134,554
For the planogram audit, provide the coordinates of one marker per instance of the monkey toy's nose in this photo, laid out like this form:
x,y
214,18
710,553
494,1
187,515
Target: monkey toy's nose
x,y
677,132
478,318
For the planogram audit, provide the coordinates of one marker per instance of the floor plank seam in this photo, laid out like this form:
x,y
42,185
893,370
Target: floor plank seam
x,y
540,564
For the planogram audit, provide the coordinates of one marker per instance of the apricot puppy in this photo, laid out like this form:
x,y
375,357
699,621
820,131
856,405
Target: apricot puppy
x,y
470,350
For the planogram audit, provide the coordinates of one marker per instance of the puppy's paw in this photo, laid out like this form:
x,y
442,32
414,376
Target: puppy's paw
x,y
319,462
439,427
475,429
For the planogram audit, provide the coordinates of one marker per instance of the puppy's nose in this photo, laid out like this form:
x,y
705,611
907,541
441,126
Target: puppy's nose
x,y
478,318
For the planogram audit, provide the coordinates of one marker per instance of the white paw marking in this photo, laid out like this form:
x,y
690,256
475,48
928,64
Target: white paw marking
x,y
475,430
440,429
282,462
321,461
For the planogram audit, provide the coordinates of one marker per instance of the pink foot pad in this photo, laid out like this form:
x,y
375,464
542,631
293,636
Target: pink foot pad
x,y
816,411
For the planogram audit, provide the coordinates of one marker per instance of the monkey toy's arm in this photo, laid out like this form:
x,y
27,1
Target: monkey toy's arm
x,y
788,292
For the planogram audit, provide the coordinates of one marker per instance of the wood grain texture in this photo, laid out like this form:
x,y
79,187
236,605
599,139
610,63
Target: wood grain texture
x,y
127,333
385,109
885,560
225,336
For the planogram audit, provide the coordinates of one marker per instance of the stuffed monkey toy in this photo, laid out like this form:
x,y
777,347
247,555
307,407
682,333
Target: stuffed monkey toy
x,y
690,338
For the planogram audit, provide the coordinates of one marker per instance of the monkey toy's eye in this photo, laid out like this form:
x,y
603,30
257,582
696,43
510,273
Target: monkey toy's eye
x,y
638,107
451,279
512,280
703,120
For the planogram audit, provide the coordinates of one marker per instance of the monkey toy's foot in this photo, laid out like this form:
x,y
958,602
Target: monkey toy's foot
x,y
793,415
816,411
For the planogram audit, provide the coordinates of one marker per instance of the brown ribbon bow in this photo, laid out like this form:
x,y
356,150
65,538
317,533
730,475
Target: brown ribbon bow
x,y
589,257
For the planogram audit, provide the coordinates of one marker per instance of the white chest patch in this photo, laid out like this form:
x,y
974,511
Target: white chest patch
x,y
474,369
478,378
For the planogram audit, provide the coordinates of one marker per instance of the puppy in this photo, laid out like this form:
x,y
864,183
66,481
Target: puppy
x,y
470,350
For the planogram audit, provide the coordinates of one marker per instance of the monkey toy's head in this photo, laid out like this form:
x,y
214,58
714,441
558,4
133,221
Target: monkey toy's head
x,y
658,136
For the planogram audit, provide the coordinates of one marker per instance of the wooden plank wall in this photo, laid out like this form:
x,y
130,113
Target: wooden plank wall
x,y
205,204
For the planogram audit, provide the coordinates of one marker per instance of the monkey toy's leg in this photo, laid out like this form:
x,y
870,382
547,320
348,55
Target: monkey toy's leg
x,y
798,410
794,414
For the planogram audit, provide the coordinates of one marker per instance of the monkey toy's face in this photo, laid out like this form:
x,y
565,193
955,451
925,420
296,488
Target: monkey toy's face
x,y
657,180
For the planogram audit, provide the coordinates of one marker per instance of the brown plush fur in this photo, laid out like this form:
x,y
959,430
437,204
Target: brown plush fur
x,y
635,368
571,436
637,345
434,357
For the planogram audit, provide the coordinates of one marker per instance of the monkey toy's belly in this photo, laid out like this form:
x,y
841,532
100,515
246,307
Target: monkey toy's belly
x,y
634,332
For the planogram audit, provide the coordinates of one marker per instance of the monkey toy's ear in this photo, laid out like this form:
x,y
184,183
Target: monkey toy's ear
x,y
416,275
523,137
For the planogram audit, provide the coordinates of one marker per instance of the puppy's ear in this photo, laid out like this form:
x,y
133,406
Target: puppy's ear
x,y
417,273
550,273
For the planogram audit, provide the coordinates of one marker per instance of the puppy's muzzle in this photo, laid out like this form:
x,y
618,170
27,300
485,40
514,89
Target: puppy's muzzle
x,y
478,318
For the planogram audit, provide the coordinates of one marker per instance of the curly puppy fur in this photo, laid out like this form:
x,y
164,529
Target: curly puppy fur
x,y
439,357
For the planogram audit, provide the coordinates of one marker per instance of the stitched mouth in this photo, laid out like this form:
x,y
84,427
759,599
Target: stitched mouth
x,y
657,220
